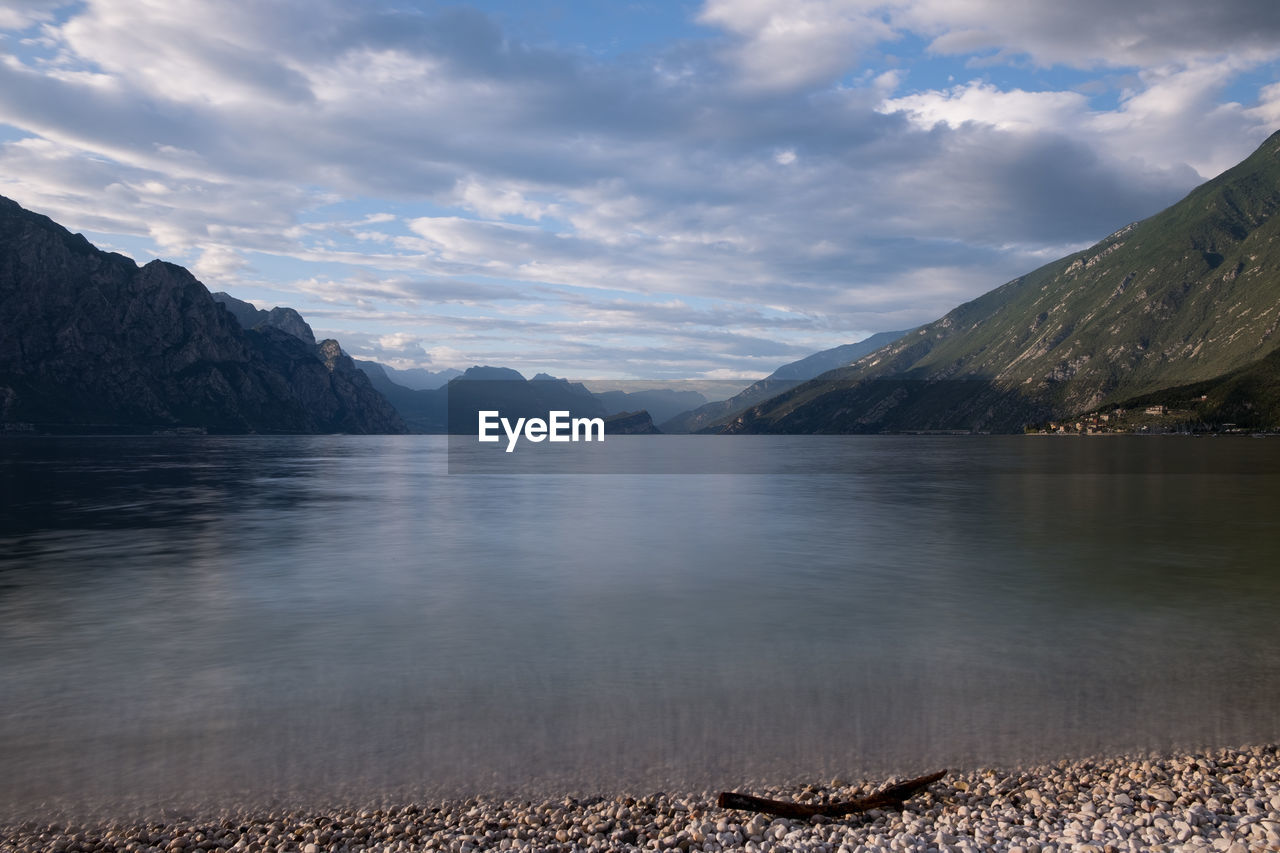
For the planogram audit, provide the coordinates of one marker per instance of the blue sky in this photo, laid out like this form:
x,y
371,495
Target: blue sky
x,y
622,190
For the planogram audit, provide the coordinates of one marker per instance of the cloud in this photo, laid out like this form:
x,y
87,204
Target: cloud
x,y
1175,119
1267,112
185,50
780,47
800,44
407,292
492,202
982,103
1096,33
20,14
780,183
218,263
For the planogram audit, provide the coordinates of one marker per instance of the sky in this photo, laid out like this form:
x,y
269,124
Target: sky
x,y
621,190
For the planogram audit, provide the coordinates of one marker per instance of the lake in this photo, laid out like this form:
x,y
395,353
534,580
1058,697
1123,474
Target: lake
x,y
202,620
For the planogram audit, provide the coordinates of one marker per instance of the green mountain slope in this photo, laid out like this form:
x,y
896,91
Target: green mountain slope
x,y
1247,399
1188,295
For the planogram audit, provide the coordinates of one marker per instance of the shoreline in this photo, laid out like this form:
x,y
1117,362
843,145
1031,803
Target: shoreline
x,y
1215,800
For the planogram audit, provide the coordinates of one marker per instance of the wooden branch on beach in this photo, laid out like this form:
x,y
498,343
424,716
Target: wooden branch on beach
x,y
892,797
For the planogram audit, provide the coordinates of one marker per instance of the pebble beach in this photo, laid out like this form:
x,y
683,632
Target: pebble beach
x,y
1222,800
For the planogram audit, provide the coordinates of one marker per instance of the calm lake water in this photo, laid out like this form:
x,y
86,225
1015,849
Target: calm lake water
x,y
200,620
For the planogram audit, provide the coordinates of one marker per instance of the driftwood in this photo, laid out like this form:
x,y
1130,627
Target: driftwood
x,y
892,797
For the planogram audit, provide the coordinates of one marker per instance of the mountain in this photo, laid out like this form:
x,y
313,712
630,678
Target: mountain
x,y
410,379
1189,295
90,341
508,392
630,423
419,378
249,317
1248,398
454,408
829,359
783,379
423,411
660,403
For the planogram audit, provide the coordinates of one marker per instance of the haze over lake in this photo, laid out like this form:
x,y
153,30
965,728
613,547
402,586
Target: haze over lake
x,y
198,620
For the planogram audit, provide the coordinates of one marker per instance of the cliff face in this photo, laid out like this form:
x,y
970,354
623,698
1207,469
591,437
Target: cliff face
x,y
284,319
90,341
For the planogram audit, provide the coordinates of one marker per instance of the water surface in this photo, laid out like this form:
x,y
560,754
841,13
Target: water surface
x,y
197,620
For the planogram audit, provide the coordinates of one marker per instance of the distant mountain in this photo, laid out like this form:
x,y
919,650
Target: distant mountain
x,y
829,359
455,407
412,379
1190,295
630,423
507,391
783,379
91,342
421,411
249,317
419,378
660,403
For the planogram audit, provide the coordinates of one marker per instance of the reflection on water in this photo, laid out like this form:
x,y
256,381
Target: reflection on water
x,y
199,619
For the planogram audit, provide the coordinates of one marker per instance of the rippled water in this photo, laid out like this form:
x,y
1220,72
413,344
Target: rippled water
x,y
194,620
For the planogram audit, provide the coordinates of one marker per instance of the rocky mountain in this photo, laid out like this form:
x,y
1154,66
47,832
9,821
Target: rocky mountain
x,y
783,379
249,317
410,379
90,341
1190,295
454,408
505,390
423,411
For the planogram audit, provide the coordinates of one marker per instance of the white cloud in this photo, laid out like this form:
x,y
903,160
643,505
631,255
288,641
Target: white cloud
x,y
20,14
784,165
784,46
1175,118
983,103
218,264
1267,112
187,50
493,202
403,347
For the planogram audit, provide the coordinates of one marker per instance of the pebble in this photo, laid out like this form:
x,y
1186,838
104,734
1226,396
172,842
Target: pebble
x,y
1223,801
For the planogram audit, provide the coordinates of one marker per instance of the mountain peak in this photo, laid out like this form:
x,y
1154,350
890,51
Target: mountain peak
x,y
90,341
249,317
487,373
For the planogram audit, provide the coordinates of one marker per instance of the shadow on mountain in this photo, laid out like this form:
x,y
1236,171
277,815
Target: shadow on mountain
x,y
852,407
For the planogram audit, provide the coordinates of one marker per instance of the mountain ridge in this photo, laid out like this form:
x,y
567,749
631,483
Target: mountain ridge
x,y
90,341
783,379
1187,295
251,318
